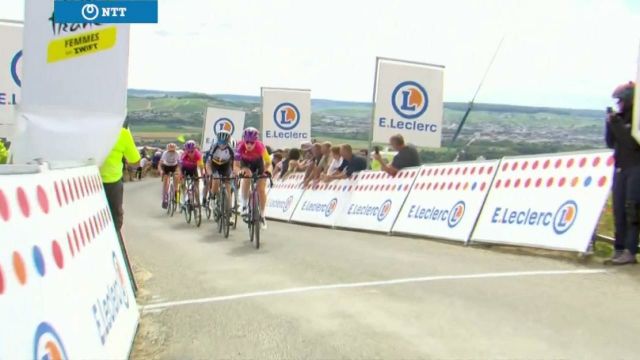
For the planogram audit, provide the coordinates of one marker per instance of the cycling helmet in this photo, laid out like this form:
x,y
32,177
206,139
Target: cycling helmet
x,y
171,147
250,134
190,145
223,137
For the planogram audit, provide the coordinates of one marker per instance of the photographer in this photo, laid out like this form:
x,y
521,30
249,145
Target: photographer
x,y
407,156
626,184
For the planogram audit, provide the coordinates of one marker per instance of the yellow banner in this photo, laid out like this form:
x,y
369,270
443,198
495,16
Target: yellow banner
x,y
81,44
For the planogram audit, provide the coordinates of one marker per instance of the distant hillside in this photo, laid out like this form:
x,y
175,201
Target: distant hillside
x,y
322,104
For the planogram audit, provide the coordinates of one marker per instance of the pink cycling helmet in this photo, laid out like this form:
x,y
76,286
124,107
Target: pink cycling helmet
x,y
250,134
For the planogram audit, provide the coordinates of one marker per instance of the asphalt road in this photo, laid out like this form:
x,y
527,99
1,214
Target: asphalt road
x,y
329,294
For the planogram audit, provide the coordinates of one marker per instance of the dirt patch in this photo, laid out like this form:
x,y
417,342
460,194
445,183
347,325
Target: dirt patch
x,y
151,337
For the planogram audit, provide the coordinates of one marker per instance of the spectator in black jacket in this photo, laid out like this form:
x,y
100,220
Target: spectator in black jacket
x,y
626,184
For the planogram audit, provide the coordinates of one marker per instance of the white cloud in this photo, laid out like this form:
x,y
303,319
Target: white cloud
x,y
557,53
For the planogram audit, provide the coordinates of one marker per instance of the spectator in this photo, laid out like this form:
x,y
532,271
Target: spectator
x,y
292,163
111,173
350,164
407,156
311,170
334,165
156,159
626,182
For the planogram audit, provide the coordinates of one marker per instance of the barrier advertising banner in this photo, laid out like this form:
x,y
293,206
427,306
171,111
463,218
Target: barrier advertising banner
x,y
64,287
549,201
376,200
74,88
284,196
321,204
221,119
286,117
409,101
10,75
446,199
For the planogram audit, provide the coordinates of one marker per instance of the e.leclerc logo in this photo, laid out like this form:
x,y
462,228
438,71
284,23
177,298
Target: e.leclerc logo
x,y
410,101
287,117
107,307
223,124
324,208
451,216
559,221
279,204
47,344
15,69
379,212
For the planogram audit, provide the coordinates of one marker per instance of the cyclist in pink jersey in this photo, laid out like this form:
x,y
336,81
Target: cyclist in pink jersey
x,y
252,158
190,162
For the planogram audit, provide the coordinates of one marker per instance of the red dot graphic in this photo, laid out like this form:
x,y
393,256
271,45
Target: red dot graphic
x,y
450,171
55,187
481,170
546,164
23,202
76,240
538,183
490,171
562,182
583,162
1,282
483,186
525,165
429,186
610,161
429,172
505,167
517,184
498,183
75,187
466,186
458,185
514,167
596,161
603,181
406,188
73,195
464,171
558,163
443,185
57,254
82,235
4,207
550,182
570,163
535,165
527,183
43,201
458,171
473,171
507,183
73,252
450,186
86,231
64,192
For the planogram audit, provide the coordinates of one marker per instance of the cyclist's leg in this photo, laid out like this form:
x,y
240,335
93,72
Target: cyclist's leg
x,y
244,185
262,194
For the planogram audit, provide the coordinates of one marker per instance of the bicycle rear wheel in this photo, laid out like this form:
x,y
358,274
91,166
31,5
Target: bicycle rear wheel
x,y
256,220
235,208
172,199
225,213
187,208
197,211
207,206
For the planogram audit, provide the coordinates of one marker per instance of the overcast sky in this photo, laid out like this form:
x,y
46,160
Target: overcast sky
x,y
565,53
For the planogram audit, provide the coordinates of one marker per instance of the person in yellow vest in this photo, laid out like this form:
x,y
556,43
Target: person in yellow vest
x,y
4,153
111,173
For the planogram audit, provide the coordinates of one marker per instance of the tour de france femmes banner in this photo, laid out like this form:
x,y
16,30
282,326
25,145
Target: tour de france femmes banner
x,y
408,101
74,87
221,119
636,105
286,117
10,73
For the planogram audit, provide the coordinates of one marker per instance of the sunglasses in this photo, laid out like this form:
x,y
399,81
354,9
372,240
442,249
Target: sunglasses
x,y
250,142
